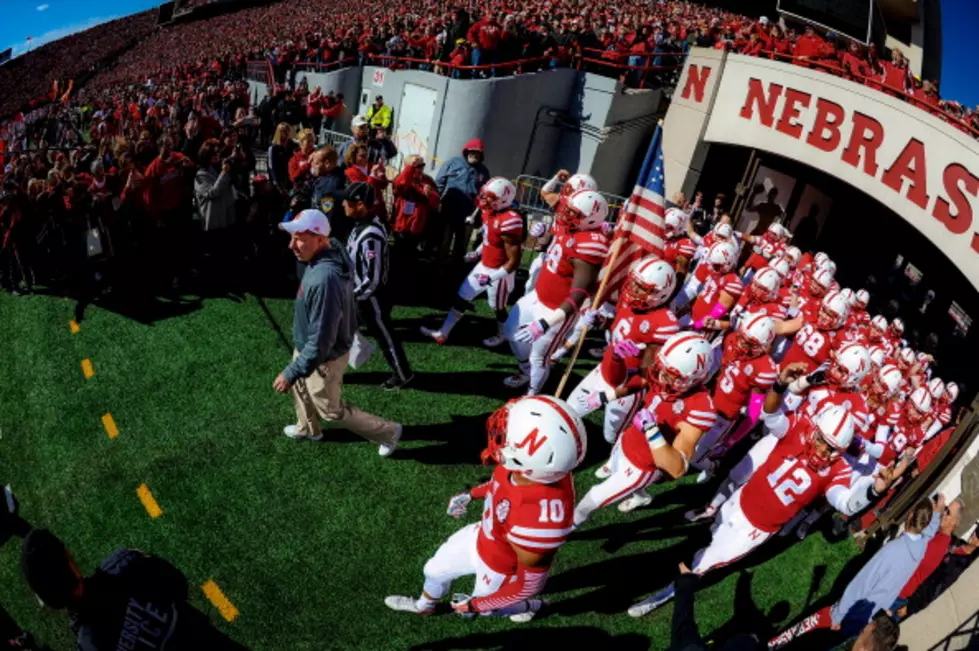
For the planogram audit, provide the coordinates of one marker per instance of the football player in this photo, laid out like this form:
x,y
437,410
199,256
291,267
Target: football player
x,y
552,197
540,321
721,287
679,249
765,247
499,257
806,464
663,435
537,441
642,324
816,330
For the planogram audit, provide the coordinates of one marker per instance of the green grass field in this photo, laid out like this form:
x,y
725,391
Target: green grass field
x,y
306,539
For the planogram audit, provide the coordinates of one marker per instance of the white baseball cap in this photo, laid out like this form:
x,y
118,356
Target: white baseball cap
x,y
308,221
358,121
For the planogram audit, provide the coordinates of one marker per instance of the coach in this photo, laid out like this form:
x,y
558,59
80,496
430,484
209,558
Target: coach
x,y
368,249
324,323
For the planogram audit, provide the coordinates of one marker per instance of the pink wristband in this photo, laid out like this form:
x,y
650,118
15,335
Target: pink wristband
x,y
754,407
718,311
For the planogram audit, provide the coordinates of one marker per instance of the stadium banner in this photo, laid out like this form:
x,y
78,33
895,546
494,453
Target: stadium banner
x,y
915,164
5,55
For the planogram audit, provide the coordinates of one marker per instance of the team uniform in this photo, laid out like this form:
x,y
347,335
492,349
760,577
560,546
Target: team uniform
x,y
681,248
553,287
632,465
765,248
533,273
710,292
649,328
493,258
810,346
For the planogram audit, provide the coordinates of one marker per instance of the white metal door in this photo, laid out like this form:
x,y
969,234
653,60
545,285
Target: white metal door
x,y
414,118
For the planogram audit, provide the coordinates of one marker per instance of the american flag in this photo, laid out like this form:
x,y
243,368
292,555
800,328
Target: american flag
x,y
640,224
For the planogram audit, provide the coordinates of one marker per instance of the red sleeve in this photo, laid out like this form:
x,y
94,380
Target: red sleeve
x,y
479,492
590,247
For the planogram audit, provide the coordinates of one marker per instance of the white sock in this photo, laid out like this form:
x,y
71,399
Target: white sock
x,y
451,319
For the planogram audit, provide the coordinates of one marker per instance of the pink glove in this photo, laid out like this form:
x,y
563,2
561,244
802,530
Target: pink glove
x,y
755,404
483,280
592,401
625,348
531,332
538,229
698,324
643,420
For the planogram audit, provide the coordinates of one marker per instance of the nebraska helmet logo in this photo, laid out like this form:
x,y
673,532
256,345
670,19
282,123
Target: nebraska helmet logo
x,y
532,442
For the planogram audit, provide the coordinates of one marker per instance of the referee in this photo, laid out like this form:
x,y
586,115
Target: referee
x,y
367,246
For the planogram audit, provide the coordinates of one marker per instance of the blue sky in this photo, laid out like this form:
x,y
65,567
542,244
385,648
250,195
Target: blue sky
x,y
48,20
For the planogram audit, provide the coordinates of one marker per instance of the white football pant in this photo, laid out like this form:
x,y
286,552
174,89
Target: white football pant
x,y
534,358
534,272
458,557
732,538
741,473
618,413
625,480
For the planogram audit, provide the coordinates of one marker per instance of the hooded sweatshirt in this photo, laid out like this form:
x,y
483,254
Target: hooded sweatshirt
x,y
325,317
459,182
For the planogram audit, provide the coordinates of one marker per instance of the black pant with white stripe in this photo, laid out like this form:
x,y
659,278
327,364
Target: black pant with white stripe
x,y
375,314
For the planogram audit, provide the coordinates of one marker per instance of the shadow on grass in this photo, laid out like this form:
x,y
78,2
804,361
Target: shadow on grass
x,y
573,637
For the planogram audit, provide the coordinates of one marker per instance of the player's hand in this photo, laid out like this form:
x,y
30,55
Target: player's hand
x,y
483,280
531,332
817,377
592,400
472,256
791,372
644,420
458,504
538,229
627,348
281,384
590,318
461,605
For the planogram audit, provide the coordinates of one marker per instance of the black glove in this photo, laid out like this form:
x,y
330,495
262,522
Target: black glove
x,y
816,378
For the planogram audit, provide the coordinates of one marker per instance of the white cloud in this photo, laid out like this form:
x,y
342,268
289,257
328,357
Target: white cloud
x,y
43,7
60,32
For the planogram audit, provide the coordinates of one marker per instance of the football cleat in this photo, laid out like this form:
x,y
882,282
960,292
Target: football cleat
x,y
405,605
699,515
604,471
434,334
517,381
494,341
650,604
635,501
534,607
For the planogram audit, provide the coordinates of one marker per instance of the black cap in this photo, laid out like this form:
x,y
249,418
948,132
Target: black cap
x,y
46,567
377,97
359,191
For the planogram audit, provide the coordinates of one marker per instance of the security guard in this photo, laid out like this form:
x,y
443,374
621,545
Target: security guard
x,y
328,182
368,249
379,115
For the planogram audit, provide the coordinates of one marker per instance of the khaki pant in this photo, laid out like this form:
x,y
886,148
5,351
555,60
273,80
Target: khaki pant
x,y
318,396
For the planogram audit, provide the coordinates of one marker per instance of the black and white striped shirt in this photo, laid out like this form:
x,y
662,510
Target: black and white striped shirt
x,y
367,246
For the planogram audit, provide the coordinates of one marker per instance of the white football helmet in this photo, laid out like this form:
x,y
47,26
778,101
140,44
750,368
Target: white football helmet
x,y
820,259
650,283
721,256
850,366
886,382
585,210
905,358
793,254
829,266
496,194
951,393
897,327
936,389
539,437
674,223
833,426
833,311
765,284
847,295
682,363
861,298
878,324
723,231
918,405
781,266
877,356
821,282
756,333
577,183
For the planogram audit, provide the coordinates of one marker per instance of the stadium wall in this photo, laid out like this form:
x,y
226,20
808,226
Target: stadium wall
x,y
921,168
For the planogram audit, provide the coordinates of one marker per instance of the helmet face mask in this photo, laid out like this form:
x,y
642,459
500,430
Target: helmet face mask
x,y
819,454
826,319
681,364
634,294
649,284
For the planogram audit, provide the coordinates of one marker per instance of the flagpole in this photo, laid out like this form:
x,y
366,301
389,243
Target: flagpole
x,y
617,246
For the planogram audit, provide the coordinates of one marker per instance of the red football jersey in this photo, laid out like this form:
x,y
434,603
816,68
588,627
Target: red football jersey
x,y
748,304
641,328
858,319
811,346
694,408
888,414
903,435
557,273
681,247
711,292
785,484
852,401
505,222
536,517
764,249
739,377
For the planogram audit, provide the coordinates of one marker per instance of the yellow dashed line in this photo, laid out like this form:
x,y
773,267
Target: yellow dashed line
x,y
216,597
109,423
149,502
88,369
73,326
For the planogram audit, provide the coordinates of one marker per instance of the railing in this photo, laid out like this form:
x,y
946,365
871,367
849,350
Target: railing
x,y
877,84
529,198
